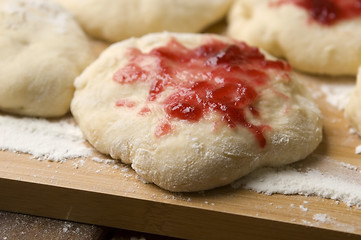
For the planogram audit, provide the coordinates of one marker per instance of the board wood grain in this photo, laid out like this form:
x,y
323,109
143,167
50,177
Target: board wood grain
x,y
112,195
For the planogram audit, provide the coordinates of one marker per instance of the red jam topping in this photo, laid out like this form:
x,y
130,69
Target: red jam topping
x,y
163,129
328,12
125,103
215,77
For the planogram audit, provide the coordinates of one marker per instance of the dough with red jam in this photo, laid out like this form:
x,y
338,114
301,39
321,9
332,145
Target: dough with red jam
x,y
309,34
353,107
115,20
191,112
42,51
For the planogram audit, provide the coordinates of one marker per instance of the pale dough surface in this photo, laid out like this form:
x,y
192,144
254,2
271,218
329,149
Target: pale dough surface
x,y
194,156
42,51
114,20
353,108
287,31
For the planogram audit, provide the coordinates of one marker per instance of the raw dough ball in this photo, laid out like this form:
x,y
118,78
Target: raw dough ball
x,y
353,108
42,51
115,20
286,30
186,121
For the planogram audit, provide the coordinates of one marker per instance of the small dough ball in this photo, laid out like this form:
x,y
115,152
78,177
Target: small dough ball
x,y
353,107
115,20
42,51
286,30
191,112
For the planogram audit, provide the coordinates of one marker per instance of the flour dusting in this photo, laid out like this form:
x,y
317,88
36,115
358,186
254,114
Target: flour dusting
x,y
303,208
45,140
287,180
338,94
59,140
358,149
321,217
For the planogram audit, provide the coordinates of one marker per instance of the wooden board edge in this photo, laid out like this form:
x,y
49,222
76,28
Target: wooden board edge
x,y
147,216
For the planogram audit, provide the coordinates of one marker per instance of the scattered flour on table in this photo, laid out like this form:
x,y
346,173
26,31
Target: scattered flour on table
x,y
287,180
348,166
321,217
353,131
324,218
102,160
338,94
303,208
358,149
45,140
62,139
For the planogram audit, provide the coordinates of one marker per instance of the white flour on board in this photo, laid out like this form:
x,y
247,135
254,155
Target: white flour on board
x,y
337,93
358,149
321,217
62,139
50,140
288,180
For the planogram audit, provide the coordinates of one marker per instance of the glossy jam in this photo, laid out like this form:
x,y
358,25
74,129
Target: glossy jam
x,y
328,12
215,77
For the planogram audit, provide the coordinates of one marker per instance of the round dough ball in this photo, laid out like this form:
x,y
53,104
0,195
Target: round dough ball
x,y
42,51
173,115
115,20
353,107
286,30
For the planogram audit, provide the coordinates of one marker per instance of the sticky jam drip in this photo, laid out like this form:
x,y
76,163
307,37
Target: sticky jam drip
x,y
214,77
329,12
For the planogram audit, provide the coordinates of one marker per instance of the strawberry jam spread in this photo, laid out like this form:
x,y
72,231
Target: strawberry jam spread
x,y
214,77
328,12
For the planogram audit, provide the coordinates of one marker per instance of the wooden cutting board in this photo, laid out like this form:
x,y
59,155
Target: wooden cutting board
x,y
111,195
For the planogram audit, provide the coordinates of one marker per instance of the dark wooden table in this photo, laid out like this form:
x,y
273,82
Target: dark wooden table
x,y
14,226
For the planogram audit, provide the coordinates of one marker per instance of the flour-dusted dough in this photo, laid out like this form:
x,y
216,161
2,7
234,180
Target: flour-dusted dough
x,y
353,107
287,31
42,51
195,155
115,20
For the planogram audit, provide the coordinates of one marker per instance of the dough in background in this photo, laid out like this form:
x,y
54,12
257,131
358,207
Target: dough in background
x,y
286,30
353,108
115,20
123,104
42,51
